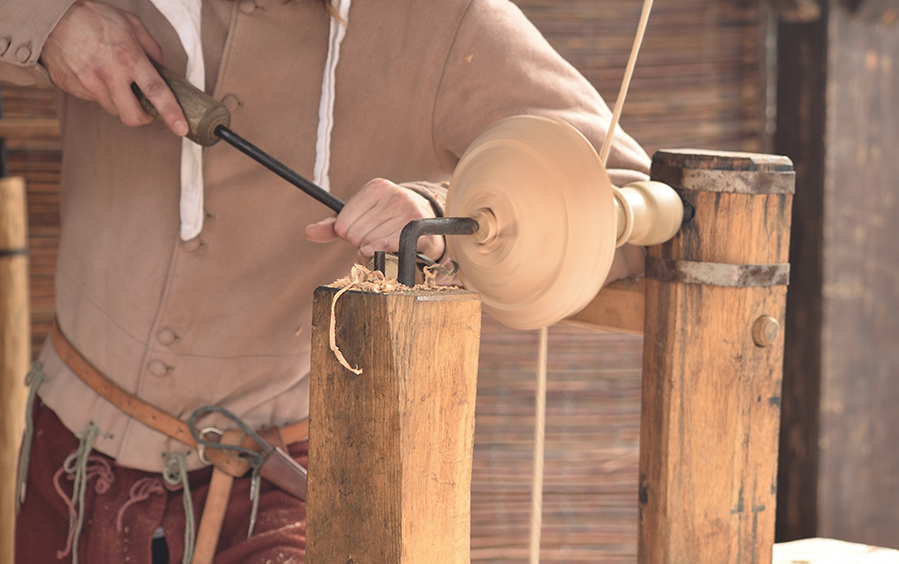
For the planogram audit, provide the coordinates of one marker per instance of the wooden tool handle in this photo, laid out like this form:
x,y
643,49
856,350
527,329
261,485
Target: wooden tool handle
x,y
204,113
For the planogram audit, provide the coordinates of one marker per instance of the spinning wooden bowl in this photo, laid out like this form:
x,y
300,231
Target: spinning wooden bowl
x,y
548,218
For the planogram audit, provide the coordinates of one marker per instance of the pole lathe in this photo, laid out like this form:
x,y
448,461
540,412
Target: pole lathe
x,y
390,456
384,443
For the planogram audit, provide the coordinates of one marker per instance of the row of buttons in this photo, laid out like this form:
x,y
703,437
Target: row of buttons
x,y
167,336
157,367
23,53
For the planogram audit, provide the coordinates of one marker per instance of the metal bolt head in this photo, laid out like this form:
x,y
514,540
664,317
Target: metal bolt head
x,y
765,331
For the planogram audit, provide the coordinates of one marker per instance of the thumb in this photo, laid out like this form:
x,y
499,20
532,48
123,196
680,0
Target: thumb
x,y
322,232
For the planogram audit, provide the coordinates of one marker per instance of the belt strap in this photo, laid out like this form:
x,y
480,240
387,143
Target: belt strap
x,y
148,414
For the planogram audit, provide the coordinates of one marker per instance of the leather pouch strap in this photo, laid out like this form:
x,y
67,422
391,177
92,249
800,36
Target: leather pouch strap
x,y
214,510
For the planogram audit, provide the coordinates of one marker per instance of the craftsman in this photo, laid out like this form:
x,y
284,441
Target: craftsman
x,y
185,276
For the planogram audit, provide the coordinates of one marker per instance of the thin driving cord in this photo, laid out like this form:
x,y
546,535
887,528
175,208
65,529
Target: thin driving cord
x,y
539,434
540,420
625,84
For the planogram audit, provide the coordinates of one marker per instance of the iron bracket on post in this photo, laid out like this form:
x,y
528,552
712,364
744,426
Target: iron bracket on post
x,y
420,227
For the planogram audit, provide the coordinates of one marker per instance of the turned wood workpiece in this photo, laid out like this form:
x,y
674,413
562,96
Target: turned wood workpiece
x,y
713,361
391,448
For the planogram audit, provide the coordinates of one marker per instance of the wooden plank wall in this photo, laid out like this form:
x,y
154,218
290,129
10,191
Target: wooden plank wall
x,y
699,83
839,118
859,478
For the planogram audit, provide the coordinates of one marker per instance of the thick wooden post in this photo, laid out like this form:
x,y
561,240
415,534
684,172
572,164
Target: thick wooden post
x,y
15,349
390,449
713,357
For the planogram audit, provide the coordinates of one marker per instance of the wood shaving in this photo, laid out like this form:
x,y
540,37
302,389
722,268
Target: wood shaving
x,y
365,280
332,336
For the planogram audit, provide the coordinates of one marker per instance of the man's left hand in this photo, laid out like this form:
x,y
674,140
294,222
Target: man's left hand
x,y
373,219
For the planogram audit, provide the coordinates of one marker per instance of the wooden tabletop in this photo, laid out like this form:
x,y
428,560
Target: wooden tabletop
x,y
831,551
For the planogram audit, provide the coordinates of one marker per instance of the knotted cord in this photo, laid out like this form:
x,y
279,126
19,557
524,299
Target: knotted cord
x,y
540,419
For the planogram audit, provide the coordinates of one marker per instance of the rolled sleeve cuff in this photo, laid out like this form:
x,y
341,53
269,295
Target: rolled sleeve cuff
x,y
24,27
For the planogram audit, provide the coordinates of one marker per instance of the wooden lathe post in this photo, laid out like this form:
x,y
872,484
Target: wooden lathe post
x,y
713,356
15,349
391,448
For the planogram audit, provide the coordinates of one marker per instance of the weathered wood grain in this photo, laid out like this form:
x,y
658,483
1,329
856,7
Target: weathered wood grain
x,y
391,448
858,473
711,396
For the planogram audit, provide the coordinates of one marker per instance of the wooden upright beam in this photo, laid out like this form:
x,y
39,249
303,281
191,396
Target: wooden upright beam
x,y
713,356
15,349
391,448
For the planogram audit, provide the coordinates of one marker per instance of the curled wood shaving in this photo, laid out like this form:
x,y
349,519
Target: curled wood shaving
x,y
365,280
332,336
360,278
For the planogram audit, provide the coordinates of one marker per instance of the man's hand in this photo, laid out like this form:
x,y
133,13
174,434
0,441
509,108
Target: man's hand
x,y
373,219
96,51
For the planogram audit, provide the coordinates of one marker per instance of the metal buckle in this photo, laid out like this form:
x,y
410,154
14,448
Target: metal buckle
x,y
201,448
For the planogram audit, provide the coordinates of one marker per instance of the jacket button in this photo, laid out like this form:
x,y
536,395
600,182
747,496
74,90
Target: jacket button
x,y
247,6
231,102
166,336
23,53
192,245
4,44
158,368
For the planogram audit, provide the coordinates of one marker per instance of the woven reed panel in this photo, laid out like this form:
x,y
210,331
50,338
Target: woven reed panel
x,y
699,83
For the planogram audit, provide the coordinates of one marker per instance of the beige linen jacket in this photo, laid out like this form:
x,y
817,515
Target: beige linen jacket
x,y
225,318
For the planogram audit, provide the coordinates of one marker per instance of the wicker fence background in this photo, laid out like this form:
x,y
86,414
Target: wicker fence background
x,y
700,82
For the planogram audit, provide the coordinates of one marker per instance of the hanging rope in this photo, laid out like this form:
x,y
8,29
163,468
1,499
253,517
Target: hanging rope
x,y
625,84
175,474
539,435
540,423
33,380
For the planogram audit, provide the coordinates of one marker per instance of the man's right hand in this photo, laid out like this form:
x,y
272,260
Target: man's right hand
x,y
96,51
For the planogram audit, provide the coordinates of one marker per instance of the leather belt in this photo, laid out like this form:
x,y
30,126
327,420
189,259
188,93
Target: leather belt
x,y
277,466
159,420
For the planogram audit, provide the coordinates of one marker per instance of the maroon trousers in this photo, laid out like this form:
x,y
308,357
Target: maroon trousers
x,y
123,507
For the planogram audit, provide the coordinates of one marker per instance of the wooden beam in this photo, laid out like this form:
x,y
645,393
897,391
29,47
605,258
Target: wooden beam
x,y
15,349
391,448
713,358
618,307
802,125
